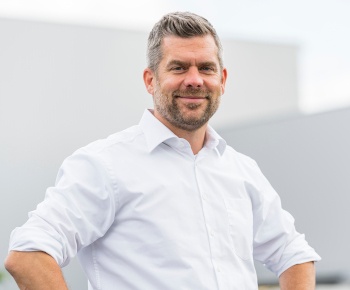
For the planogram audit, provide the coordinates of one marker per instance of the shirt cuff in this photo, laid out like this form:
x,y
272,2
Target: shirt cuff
x,y
32,239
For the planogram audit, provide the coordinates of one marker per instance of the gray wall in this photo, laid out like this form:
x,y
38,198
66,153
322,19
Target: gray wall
x,y
63,86
60,88
307,160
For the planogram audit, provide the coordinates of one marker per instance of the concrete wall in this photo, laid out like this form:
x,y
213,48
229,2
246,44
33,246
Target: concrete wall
x,y
64,86
306,159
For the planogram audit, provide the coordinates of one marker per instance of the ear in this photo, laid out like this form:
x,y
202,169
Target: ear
x,y
148,78
223,80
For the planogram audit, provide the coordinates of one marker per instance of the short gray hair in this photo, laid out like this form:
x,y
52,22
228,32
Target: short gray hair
x,y
182,24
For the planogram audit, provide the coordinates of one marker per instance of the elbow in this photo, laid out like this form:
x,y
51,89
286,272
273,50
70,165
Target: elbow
x,y
12,263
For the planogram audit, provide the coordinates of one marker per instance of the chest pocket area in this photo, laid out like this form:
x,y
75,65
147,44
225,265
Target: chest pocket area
x,y
240,220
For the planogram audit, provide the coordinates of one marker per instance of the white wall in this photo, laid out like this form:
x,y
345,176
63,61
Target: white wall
x,y
63,86
262,82
307,160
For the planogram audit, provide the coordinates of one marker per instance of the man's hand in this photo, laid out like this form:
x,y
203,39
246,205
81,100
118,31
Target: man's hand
x,y
299,277
35,270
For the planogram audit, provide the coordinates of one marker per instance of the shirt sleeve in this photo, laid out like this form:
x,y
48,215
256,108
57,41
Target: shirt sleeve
x,y
78,210
277,244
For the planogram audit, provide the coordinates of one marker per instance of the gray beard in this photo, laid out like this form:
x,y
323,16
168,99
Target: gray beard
x,y
172,113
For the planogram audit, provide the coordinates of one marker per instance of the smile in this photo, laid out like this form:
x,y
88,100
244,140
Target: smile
x,y
191,99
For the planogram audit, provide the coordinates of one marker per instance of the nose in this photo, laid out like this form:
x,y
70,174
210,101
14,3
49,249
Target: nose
x,y
193,78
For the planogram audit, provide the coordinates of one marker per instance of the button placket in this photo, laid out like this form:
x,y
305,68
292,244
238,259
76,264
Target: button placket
x,y
209,218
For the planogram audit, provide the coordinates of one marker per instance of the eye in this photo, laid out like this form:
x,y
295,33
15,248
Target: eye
x,y
177,68
207,69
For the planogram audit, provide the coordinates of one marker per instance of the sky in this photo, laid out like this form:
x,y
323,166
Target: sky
x,y
319,28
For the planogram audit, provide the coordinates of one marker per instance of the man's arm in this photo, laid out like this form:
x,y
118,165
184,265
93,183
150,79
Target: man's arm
x,y
299,277
35,270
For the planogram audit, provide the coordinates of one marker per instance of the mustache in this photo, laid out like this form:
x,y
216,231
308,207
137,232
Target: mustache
x,y
193,92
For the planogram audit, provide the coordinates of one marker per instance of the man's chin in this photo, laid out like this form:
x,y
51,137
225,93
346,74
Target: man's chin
x,y
191,123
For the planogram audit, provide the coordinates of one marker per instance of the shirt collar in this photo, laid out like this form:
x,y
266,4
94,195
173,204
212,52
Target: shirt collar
x,y
157,133
214,140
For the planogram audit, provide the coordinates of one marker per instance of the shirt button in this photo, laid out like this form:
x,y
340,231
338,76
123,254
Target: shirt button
x,y
212,234
218,269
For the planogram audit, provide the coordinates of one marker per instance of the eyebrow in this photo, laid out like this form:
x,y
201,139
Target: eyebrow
x,y
177,62
187,64
208,63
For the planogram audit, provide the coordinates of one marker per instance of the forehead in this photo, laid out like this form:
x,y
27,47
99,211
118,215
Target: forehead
x,y
194,48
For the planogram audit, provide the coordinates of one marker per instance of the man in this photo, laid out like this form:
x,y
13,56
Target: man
x,y
165,204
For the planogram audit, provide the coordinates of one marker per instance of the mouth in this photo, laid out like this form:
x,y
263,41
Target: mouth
x,y
191,99
201,96
192,94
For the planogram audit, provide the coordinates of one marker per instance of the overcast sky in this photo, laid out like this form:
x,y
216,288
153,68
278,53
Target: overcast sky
x,y
320,28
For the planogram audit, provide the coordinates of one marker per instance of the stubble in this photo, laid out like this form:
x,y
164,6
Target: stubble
x,y
167,105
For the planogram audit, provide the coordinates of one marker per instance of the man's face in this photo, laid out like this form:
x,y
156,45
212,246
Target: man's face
x,y
188,83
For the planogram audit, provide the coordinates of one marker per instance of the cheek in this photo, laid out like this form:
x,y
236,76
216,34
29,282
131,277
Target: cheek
x,y
215,86
171,82
169,86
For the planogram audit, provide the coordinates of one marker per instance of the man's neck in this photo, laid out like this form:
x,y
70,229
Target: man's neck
x,y
196,138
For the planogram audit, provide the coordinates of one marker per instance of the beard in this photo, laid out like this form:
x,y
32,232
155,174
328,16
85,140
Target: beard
x,y
168,107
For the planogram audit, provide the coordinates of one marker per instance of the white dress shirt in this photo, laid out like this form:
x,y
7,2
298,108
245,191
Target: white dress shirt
x,y
142,212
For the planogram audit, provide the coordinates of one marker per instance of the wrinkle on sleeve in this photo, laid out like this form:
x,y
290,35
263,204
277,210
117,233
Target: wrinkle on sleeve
x,y
78,210
277,244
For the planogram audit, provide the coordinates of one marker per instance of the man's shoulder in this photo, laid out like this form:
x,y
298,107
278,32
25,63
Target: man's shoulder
x,y
238,156
122,138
